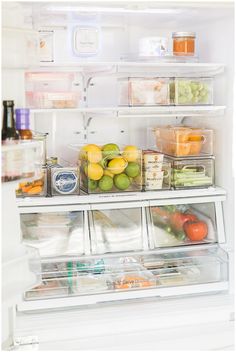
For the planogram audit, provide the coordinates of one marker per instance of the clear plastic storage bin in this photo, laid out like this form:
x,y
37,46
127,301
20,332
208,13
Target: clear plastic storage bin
x,y
54,234
192,173
144,91
46,90
110,169
136,272
182,224
116,230
191,91
35,188
182,141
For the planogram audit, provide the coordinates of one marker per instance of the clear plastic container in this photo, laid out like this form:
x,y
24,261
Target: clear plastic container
x,y
20,49
183,141
64,181
192,173
116,230
35,188
118,170
58,90
191,91
183,224
144,91
139,272
54,234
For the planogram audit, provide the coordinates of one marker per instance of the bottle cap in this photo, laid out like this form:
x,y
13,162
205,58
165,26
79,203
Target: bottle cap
x,y
22,119
8,103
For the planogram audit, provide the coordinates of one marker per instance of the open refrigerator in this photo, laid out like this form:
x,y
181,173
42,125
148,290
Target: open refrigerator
x,y
103,256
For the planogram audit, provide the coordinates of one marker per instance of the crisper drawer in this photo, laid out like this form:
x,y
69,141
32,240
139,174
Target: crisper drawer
x,y
55,233
186,222
117,228
152,274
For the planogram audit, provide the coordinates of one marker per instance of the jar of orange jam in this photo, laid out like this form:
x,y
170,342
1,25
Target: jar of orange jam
x,y
183,43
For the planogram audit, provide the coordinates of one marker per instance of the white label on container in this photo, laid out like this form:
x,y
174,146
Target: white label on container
x,y
86,40
46,46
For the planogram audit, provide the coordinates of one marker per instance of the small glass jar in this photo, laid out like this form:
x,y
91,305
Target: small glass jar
x,y
183,43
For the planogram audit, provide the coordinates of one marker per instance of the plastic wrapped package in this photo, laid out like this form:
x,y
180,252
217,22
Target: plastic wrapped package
x,y
134,280
144,91
91,283
54,234
48,288
116,230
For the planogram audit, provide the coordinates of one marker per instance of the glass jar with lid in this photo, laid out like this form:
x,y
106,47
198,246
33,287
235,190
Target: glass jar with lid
x,y
184,43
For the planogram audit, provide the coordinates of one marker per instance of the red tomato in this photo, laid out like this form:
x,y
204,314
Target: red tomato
x,y
177,220
196,230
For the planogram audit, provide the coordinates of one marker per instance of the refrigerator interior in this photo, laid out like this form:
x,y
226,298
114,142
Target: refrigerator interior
x,y
93,86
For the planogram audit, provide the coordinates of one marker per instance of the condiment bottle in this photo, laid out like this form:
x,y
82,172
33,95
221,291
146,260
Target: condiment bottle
x,y
23,126
11,159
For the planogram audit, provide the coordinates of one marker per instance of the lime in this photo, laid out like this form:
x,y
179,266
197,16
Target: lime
x,y
133,169
122,181
110,150
92,185
106,183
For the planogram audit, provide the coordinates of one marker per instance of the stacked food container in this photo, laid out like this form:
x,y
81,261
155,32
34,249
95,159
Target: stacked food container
x,y
190,152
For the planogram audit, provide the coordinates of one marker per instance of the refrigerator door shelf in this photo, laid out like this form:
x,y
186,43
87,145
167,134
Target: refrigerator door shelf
x,y
82,282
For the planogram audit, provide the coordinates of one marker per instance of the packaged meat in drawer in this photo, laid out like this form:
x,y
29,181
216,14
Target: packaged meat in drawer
x,y
150,271
192,172
144,91
183,141
54,234
182,224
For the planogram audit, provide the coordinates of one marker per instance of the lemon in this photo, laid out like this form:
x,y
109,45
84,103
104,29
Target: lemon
x,y
117,165
95,171
108,173
131,153
92,153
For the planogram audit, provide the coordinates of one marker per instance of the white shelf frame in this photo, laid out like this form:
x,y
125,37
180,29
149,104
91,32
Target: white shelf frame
x,y
210,192
172,68
90,299
132,112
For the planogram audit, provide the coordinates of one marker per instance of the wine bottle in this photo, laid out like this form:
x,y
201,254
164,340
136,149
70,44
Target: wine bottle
x,y
11,158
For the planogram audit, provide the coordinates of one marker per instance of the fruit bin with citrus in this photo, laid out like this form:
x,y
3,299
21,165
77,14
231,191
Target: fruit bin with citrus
x,y
110,168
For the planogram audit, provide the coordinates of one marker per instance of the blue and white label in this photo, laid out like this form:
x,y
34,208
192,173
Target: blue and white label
x,y
65,182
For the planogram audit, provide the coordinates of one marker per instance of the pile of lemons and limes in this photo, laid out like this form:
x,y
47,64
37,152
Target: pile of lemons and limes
x,y
108,168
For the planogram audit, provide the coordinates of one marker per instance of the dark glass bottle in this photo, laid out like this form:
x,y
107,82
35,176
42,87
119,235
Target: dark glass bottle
x,y
9,132
11,159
